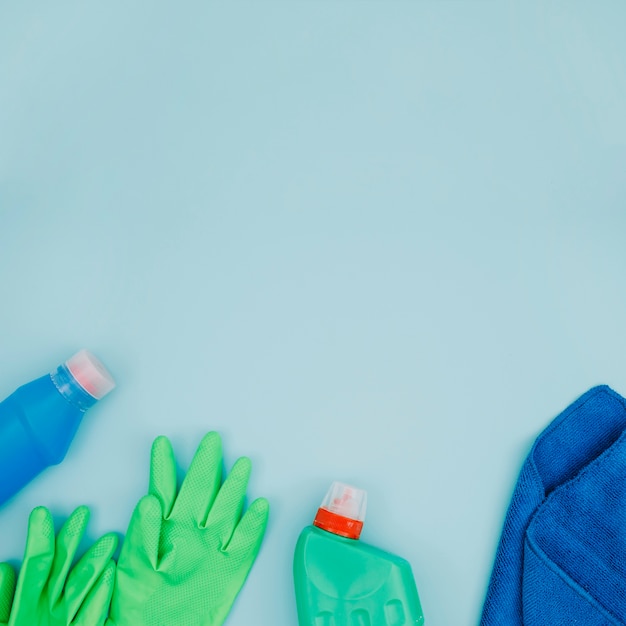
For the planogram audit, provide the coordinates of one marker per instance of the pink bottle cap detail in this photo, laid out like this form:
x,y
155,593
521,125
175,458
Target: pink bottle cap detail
x,y
90,374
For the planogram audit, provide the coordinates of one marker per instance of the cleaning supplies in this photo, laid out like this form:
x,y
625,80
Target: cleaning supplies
x,y
188,551
39,420
50,592
339,580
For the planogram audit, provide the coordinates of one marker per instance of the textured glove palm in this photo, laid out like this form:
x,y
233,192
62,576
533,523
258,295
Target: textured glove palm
x,y
187,553
51,593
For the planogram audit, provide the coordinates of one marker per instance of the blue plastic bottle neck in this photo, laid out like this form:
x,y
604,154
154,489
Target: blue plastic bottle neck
x,y
69,388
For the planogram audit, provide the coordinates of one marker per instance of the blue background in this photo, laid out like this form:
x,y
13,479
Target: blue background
x,y
380,242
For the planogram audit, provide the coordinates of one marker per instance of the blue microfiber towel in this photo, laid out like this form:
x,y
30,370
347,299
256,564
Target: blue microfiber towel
x,y
562,554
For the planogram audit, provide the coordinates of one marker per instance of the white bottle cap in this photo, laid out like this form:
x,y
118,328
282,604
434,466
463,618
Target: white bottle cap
x,y
90,374
346,501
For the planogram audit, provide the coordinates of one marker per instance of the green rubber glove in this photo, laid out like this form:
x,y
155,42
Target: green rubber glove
x,y
188,552
48,593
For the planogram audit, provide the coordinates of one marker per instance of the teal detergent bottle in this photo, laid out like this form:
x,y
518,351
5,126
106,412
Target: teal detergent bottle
x,y
40,419
341,581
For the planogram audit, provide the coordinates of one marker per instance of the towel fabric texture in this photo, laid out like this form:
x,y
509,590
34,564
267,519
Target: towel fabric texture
x,y
562,555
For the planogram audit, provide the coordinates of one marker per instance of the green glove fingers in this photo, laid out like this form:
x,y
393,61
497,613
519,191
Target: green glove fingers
x,y
7,589
136,574
66,545
87,572
228,505
238,536
187,554
33,577
48,592
163,474
202,481
249,533
95,608
141,544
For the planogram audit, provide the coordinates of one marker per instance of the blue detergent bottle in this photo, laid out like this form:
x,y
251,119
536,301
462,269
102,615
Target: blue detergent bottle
x,y
40,419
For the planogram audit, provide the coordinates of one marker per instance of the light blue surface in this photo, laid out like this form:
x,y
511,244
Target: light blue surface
x,y
379,242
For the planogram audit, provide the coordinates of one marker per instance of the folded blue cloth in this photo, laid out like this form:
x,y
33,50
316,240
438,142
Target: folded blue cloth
x,y
562,554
